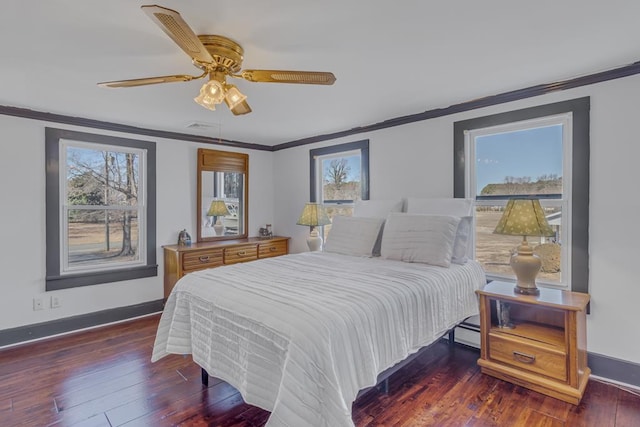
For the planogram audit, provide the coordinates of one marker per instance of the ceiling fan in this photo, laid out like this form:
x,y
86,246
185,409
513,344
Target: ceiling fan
x,y
218,57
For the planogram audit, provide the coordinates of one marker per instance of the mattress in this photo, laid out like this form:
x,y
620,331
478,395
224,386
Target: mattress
x,y
299,335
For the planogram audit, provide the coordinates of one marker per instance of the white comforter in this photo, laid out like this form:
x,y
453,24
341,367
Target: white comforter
x,y
300,335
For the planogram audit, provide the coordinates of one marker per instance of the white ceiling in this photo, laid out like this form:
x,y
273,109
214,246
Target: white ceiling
x,y
391,58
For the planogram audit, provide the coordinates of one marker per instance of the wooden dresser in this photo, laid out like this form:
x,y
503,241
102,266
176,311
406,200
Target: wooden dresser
x,y
543,344
180,260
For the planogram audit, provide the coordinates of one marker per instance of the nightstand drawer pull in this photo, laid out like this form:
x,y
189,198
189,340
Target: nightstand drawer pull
x,y
204,258
273,249
242,253
524,358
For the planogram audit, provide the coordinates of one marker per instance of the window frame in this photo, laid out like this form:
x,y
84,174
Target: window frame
x,y
336,151
578,159
546,200
55,278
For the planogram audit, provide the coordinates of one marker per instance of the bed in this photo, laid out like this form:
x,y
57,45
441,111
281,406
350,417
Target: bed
x,y
300,335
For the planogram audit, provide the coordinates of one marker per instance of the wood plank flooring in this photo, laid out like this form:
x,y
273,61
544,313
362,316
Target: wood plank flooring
x,y
104,377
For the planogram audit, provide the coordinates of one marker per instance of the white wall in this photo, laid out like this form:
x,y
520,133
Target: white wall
x,y
417,160
22,221
410,160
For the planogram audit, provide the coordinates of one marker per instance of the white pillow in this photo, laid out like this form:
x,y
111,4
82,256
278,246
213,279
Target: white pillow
x,y
440,206
419,238
376,208
461,243
353,235
462,208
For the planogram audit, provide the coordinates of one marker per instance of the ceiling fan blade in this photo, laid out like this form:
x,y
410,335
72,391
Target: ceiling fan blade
x,y
175,27
242,108
287,76
149,81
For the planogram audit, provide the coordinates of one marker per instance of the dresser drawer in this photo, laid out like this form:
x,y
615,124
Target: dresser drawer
x,y
240,254
198,260
269,249
529,355
180,260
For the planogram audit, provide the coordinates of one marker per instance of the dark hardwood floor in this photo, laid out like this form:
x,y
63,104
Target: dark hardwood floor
x,y
104,377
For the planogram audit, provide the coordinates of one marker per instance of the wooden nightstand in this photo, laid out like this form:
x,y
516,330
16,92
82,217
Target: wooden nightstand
x,y
545,349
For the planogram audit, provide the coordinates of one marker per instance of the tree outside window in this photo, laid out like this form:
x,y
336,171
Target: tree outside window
x,y
100,209
339,177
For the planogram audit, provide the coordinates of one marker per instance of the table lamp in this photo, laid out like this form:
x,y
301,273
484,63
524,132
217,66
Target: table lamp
x,y
524,217
314,215
218,209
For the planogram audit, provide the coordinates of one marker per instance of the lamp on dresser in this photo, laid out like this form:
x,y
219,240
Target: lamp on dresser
x,y
314,215
524,217
218,209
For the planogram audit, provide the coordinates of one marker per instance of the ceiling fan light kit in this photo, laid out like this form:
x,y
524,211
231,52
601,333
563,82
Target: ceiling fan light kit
x,y
218,57
234,97
213,93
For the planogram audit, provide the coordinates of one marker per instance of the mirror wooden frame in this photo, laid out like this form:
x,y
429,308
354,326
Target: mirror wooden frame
x,y
223,161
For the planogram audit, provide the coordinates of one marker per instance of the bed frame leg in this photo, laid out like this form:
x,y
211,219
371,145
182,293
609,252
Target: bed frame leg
x,y
204,377
452,336
384,386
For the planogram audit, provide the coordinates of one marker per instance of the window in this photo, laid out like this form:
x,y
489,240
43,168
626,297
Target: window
x,y
340,176
100,209
518,160
540,152
228,187
231,192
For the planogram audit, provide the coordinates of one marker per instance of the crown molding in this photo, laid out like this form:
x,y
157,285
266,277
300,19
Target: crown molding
x,y
474,104
117,127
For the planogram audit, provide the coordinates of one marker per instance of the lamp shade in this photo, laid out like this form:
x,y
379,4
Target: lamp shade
x,y
524,217
313,215
218,208
234,97
211,93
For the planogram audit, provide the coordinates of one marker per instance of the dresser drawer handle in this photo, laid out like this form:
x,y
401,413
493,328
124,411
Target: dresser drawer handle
x,y
242,253
273,249
204,258
524,358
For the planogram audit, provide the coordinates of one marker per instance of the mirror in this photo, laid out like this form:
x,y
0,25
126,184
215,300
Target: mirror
x,y
223,184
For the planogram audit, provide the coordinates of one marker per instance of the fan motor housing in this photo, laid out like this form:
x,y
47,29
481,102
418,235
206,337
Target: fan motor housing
x,y
227,53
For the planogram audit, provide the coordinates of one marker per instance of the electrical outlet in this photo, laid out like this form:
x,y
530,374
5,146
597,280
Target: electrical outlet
x,y
38,304
55,301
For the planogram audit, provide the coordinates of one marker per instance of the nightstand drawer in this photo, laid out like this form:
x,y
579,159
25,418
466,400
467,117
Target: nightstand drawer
x,y
529,355
198,260
240,254
269,249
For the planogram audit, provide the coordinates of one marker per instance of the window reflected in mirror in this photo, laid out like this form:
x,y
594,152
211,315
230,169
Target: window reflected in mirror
x,y
222,195
222,209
